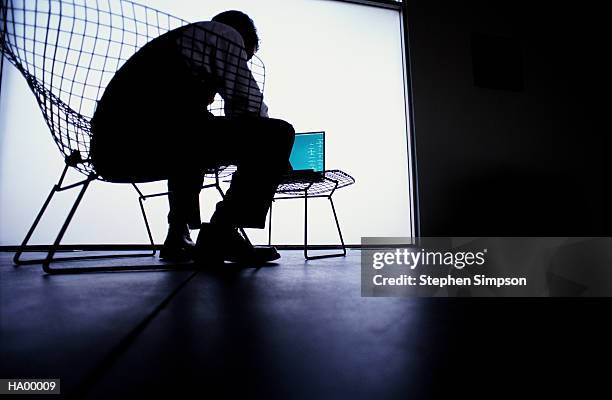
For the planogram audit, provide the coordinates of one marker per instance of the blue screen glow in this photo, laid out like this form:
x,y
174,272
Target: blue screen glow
x,y
308,152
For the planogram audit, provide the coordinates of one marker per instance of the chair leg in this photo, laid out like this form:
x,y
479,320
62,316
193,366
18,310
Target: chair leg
x,y
318,256
146,221
75,270
17,258
49,258
270,225
331,202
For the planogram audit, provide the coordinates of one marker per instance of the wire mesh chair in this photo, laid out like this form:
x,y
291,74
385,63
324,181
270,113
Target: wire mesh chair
x,y
309,188
68,51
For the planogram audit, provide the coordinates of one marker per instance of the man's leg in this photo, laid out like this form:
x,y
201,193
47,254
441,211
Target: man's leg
x,y
260,149
184,201
184,198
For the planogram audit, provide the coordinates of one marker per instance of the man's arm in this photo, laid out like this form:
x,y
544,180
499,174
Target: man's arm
x,y
239,88
216,51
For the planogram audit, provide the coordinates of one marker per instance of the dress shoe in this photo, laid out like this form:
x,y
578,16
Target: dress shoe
x,y
217,244
178,246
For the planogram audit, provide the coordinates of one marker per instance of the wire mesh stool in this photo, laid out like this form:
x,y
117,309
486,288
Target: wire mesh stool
x,y
309,188
68,51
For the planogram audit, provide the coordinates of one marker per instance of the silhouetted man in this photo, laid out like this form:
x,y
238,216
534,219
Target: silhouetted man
x,y
152,123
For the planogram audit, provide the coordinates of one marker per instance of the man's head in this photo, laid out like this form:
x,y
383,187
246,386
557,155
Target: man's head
x,y
244,25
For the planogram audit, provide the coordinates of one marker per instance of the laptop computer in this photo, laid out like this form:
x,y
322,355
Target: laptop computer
x,y
308,156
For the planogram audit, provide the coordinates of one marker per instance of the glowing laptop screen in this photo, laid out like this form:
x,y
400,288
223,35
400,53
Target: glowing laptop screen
x,y
308,151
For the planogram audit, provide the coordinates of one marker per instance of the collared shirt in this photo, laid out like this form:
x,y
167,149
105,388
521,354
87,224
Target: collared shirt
x,y
216,51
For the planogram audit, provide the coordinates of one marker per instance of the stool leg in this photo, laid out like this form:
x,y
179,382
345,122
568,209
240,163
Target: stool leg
x,y
343,246
306,227
270,225
338,226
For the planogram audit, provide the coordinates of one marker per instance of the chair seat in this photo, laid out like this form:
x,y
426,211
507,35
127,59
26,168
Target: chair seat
x,y
300,186
223,171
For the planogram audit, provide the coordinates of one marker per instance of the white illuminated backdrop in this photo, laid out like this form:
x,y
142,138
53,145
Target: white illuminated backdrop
x,y
330,66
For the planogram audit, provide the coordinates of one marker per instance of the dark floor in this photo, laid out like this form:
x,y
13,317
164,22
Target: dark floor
x,y
293,330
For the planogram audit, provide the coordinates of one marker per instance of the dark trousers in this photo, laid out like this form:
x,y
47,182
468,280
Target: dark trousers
x,y
260,149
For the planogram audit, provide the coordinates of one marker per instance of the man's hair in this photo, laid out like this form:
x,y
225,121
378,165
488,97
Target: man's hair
x,y
243,24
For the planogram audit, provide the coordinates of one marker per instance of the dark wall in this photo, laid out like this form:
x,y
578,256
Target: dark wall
x,y
502,162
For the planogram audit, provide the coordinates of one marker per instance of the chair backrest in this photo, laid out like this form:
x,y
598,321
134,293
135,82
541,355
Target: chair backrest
x,y
69,50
